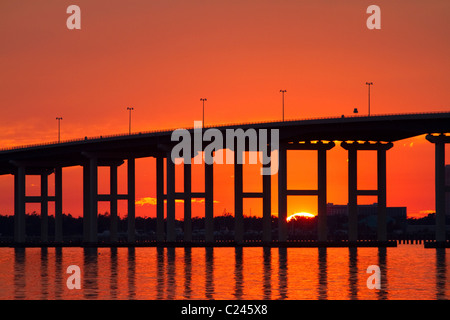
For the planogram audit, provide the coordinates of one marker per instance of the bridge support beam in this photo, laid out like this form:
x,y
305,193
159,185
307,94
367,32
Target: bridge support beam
x,y
58,205
238,202
170,167
44,207
160,199
113,203
131,168
187,202
267,207
353,191
19,205
209,203
439,142
282,192
93,201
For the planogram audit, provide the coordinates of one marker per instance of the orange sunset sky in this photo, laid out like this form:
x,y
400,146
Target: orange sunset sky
x,y
161,57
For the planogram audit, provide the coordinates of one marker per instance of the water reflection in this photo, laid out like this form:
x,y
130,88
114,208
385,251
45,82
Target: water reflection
x,y
171,278
59,281
113,282
282,273
209,273
90,274
441,278
267,272
160,268
34,277
353,273
187,273
238,273
131,271
382,293
19,273
323,276
44,273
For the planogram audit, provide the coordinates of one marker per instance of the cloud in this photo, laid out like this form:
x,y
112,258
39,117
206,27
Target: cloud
x,y
152,201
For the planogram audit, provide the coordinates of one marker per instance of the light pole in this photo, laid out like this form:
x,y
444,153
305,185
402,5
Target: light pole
x,y
282,101
203,112
369,84
59,128
129,119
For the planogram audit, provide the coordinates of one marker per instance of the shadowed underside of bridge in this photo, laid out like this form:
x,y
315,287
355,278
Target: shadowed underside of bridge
x,y
353,133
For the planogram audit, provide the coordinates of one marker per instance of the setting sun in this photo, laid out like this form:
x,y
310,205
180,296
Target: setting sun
x,y
301,215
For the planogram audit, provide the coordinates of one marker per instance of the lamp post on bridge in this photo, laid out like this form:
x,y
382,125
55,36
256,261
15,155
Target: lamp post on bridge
x,y
59,128
129,119
369,84
203,110
282,102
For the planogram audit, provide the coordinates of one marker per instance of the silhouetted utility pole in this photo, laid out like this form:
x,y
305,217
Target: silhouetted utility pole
x,y
59,128
129,119
282,102
203,112
369,84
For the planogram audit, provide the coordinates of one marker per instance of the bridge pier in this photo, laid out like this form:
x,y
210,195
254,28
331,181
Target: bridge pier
x,y
58,205
21,199
19,205
113,203
321,147
209,203
353,191
187,202
170,185
441,188
131,217
239,196
159,199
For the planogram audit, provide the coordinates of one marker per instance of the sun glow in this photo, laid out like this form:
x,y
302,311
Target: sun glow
x,y
300,215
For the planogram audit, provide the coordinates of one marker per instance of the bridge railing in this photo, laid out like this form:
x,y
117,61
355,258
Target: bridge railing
x,y
109,136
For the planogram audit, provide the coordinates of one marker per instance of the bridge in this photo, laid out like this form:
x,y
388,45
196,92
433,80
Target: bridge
x,y
354,134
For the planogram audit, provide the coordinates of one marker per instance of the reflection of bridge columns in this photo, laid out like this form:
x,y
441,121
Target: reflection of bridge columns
x,y
353,191
321,147
91,197
239,196
440,187
21,199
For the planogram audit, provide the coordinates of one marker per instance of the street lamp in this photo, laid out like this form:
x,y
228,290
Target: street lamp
x,y
369,84
203,112
129,119
282,102
59,128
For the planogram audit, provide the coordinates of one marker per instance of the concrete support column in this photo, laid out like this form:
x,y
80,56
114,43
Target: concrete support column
x,y
93,199
282,193
238,201
381,220
187,202
322,194
113,203
44,207
267,208
86,203
440,190
131,200
209,203
159,199
58,205
19,205
171,236
352,195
